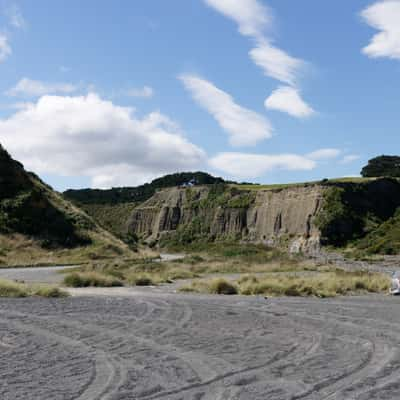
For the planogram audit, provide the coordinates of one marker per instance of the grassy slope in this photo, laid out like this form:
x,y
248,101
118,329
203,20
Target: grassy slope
x,y
38,226
112,217
280,186
385,239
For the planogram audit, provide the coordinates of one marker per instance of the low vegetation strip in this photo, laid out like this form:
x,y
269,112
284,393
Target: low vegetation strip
x,y
221,259
91,279
16,289
327,284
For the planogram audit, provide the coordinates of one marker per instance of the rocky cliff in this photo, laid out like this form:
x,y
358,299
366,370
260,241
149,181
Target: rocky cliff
x,y
211,213
300,217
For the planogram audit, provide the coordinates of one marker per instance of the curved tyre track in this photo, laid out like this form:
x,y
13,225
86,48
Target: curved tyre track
x,y
182,347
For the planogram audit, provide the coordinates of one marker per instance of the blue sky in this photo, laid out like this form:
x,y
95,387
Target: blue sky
x,y
102,94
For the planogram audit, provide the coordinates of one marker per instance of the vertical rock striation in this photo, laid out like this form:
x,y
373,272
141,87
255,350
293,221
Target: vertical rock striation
x,y
264,216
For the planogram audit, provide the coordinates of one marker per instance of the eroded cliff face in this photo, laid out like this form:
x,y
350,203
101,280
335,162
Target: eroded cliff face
x,y
273,217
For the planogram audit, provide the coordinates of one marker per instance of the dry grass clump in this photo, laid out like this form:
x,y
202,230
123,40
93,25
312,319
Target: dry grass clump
x,y
91,279
168,275
222,286
15,289
141,280
49,291
238,267
215,286
328,284
12,289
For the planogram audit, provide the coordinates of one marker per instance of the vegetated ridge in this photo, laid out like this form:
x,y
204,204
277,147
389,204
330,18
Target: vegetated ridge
x,y
36,222
357,213
111,208
298,217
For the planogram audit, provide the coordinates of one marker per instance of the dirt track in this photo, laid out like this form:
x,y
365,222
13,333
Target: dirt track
x,y
150,345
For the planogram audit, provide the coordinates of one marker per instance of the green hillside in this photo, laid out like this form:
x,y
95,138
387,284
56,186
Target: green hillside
x,y
112,208
38,225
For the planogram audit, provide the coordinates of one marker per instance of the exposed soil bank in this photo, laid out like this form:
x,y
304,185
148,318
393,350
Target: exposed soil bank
x,y
149,345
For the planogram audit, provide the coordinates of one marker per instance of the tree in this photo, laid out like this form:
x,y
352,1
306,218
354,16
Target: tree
x,y
382,166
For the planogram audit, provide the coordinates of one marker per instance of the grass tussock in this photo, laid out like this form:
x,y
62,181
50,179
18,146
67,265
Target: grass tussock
x,y
140,279
91,279
17,290
222,286
214,286
328,284
131,272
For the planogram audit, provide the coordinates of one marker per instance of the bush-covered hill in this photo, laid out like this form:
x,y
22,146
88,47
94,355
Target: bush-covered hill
x,y
388,166
112,208
352,210
140,193
40,222
384,239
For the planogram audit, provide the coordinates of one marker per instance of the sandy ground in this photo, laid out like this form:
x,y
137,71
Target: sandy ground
x,y
34,275
149,343
131,344
52,275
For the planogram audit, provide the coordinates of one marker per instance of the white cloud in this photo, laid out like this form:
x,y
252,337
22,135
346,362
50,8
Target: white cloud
x,y
144,92
244,165
88,136
5,49
251,16
288,99
15,16
349,158
324,154
30,88
276,63
384,16
244,126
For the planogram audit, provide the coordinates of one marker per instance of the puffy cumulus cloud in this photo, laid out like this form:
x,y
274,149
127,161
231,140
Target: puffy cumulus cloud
x,y
31,88
383,16
276,63
324,154
245,127
5,49
288,100
88,136
250,15
245,166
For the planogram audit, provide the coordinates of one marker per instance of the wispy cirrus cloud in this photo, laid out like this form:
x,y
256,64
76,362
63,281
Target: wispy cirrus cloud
x,y
287,99
5,48
349,158
245,127
145,92
245,165
251,166
276,63
253,19
251,16
33,88
324,154
383,16
15,17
